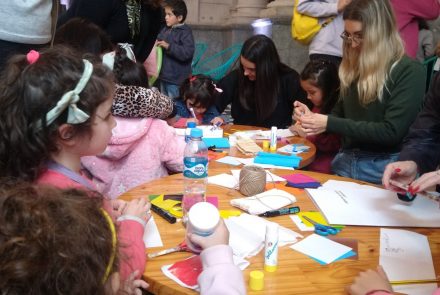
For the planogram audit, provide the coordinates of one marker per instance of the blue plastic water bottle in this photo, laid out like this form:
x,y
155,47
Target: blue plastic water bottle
x,y
189,126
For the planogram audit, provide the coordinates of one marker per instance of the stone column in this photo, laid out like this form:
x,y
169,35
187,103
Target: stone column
x,y
246,11
278,9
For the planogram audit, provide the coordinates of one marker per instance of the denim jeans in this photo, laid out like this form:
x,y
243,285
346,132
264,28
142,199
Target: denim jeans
x,y
361,165
170,90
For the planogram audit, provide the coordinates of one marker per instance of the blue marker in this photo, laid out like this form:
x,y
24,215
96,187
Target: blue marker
x,y
284,211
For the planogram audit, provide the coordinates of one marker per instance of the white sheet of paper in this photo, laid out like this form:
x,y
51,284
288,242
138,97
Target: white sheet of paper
x,y
301,226
321,248
250,161
247,234
353,204
151,235
270,177
406,255
229,160
223,179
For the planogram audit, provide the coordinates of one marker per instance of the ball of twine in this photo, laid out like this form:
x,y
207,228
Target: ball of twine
x,y
252,180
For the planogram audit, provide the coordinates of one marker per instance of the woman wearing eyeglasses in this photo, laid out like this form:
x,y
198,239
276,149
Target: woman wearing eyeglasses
x,y
381,93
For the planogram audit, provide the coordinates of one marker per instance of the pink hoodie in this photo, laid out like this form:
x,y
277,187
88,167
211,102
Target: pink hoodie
x,y
139,151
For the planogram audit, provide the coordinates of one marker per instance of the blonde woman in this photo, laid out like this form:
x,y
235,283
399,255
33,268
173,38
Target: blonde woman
x,y
381,93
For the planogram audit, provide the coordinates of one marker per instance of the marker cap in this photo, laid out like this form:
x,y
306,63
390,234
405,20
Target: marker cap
x,y
256,280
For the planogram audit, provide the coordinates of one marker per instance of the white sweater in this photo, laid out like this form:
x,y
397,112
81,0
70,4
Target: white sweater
x,y
25,21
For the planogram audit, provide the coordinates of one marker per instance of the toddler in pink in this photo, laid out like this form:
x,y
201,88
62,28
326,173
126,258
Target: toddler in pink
x,y
139,151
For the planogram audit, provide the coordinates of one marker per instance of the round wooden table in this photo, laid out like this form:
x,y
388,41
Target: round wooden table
x,y
297,273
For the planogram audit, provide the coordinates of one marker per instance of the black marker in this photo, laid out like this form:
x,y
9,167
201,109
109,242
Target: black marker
x,y
284,211
162,213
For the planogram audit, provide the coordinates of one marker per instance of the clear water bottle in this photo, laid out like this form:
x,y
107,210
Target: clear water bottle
x,y
189,126
195,173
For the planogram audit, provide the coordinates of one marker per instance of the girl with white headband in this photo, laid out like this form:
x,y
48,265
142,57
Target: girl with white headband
x,y
55,108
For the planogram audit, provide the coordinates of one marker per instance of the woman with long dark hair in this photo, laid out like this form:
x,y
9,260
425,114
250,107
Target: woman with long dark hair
x,y
261,91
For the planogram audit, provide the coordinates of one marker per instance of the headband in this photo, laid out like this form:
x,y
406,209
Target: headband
x,y
108,59
112,256
69,100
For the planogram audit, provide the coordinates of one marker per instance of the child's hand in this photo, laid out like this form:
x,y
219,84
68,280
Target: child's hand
x,y
139,207
297,130
132,286
162,44
118,207
217,120
300,110
370,280
219,237
193,120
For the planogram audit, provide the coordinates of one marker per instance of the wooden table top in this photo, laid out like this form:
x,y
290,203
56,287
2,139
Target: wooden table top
x,y
297,273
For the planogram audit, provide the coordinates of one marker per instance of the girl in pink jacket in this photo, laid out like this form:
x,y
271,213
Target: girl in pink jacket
x,y
55,108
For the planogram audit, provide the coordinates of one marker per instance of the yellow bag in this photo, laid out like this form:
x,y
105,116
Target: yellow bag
x,y
305,27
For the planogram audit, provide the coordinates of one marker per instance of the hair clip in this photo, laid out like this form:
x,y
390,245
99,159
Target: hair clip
x,y
32,56
129,50
192,78
219,90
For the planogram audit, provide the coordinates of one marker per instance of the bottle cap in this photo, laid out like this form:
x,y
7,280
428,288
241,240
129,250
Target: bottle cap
x,y
196,132
203,217
256,280
265,145
191,124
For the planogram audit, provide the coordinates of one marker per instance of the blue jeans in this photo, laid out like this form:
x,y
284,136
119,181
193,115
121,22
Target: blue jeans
x,y
170,90
361,165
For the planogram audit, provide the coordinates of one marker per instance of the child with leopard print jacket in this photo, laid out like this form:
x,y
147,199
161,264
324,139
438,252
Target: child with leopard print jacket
x,y
140,149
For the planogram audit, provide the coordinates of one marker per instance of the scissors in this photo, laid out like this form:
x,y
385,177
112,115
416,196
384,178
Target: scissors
x,y
321,229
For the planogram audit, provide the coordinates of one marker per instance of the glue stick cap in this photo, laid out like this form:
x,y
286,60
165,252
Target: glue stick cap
x,y
196,132
256,280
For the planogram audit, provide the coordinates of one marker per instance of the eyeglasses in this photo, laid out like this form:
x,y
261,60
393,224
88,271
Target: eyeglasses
x,y
351,38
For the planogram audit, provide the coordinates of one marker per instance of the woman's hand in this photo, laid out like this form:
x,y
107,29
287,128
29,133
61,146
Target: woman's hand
x,y
139,207
403,172
425,182
370,280
313,123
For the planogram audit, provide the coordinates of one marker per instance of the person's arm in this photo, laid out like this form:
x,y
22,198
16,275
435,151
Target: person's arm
x,y
371,282
140,102
317,8
210,114
184,49
229,85
402,106
422,144
427,9
220,275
